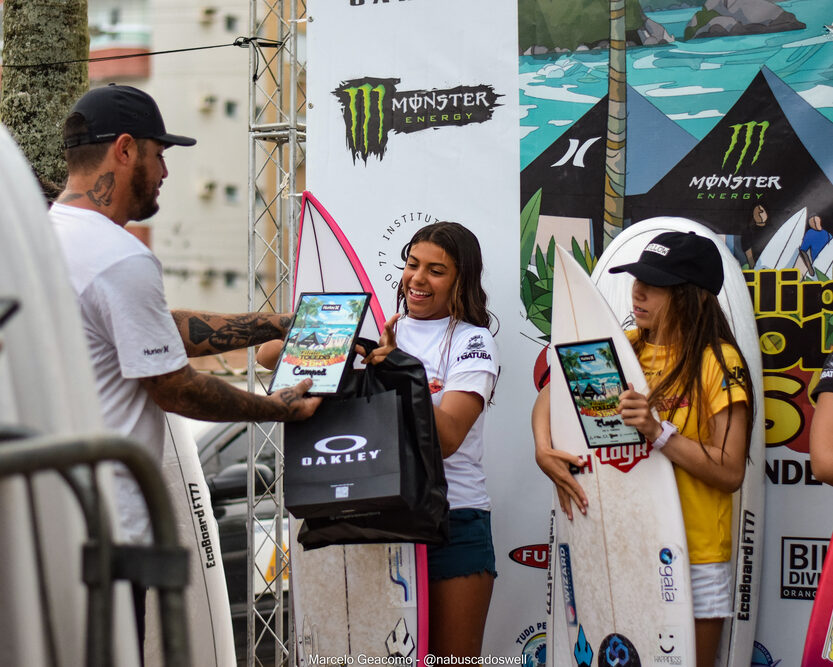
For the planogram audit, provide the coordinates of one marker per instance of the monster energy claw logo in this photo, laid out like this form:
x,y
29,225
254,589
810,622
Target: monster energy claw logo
x,y
734,186
372,107
368,114
748,135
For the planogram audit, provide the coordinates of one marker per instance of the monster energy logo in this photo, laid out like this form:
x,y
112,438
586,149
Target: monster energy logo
x,y
732,186
368,115
748,136
373,107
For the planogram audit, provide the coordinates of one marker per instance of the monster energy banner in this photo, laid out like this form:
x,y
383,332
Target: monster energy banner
x,y
729,123
373,107
412,115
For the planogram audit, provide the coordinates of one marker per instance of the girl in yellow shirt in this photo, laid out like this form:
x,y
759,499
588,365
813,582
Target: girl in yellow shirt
x,y
700,390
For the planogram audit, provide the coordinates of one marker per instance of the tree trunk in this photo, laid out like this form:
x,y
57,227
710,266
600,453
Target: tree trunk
x,y
614,194
35,100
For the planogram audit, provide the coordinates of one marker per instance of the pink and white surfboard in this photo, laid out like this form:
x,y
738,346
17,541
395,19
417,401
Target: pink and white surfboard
x,y
369,600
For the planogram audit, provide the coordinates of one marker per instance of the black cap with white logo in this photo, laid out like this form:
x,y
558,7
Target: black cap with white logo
x,y
673,258
113,110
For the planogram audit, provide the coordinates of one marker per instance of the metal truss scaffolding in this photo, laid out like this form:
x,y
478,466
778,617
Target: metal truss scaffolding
x,y
276,157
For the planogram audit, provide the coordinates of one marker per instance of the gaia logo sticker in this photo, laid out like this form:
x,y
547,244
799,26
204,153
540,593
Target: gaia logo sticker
x,y
747,130
667,583
373,107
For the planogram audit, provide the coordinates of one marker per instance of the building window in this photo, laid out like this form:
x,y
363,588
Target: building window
x,y
231,108
231,22
232,194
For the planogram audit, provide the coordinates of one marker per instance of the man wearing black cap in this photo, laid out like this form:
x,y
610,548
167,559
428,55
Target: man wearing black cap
x,y
115,139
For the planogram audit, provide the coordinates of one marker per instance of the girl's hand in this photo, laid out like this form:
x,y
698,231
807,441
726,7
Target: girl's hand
x,y
386,343
555,462
556,465
635,412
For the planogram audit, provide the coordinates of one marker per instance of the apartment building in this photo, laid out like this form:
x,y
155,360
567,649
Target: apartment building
x,y
200,232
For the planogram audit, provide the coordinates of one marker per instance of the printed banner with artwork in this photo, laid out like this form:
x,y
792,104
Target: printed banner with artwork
x,y
729,122
424,110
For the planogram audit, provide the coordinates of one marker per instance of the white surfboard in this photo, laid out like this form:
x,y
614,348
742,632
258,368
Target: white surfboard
x,y
206,598
782,250
368,600
619,574
46,384
739,634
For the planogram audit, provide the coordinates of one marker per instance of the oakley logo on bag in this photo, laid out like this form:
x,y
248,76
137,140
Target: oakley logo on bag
x,y
323,446
338,456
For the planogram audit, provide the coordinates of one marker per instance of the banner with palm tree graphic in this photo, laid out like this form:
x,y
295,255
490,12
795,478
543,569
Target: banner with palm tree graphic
x,y
721,112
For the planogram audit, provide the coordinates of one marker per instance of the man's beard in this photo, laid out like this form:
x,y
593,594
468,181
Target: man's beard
x,y
144,194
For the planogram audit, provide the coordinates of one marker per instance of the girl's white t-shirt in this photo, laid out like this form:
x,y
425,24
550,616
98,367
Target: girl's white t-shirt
x,y
468,362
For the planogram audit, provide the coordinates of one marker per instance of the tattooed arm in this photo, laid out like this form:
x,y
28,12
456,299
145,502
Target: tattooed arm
x,y
208,398
211,333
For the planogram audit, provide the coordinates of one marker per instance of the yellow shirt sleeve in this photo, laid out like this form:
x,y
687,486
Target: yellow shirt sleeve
x,y
721,390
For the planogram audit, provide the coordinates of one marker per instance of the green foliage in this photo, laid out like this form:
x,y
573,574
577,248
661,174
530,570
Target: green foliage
x,y
584,257
828,332
659,5
536,290
701,18
536,285
529,227
566,24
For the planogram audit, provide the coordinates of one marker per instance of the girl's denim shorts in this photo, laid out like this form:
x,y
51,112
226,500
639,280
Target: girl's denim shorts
x,y
469,550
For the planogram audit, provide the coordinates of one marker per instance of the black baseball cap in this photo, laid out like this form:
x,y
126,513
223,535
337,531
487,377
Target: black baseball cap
x,y
673,258
113,110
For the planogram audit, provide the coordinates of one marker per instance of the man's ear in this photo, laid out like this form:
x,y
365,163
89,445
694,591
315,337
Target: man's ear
x,y
124,149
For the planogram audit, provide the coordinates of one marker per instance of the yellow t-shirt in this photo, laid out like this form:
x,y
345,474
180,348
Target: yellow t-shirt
x,y
707,511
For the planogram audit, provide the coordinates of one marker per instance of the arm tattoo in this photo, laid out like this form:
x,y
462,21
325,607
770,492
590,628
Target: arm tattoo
x,y
210,334
208,398
102,194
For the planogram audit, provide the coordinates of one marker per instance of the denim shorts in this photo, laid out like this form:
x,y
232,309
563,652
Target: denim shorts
x,y
469,549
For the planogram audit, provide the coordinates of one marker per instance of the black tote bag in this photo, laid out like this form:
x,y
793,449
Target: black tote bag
x,y
350,457
423,520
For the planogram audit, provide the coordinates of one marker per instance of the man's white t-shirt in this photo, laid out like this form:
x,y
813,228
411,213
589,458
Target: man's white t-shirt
x,y
129,331
468,362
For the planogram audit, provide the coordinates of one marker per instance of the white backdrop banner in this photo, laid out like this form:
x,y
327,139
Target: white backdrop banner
x,y
413,117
